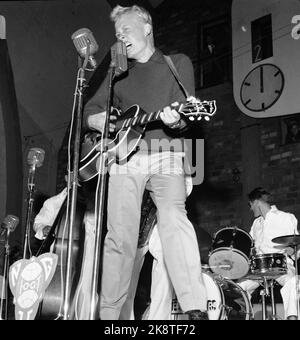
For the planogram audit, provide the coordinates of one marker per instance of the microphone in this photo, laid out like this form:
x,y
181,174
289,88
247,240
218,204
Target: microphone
x,y
82,39
35,159
9,223
119,57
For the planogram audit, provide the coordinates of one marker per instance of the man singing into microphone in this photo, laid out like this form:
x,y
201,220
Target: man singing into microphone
x,y
150,83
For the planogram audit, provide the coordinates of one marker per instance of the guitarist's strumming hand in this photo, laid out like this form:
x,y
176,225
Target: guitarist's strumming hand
x,y
171,117
96,121
46,230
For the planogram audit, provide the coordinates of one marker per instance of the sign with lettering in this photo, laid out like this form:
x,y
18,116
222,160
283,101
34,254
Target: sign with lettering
x,y
28,280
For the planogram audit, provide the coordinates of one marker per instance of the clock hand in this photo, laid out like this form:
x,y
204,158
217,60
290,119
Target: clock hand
x,y
261,80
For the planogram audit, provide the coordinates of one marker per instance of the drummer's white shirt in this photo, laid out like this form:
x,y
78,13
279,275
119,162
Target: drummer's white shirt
x,y
276,223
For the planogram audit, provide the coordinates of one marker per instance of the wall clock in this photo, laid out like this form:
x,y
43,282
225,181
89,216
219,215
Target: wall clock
x,y
262,87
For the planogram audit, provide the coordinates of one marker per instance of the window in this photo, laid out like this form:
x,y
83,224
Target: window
x,y
214,53
261,38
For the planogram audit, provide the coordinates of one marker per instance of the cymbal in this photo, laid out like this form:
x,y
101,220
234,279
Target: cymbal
x,y
288,240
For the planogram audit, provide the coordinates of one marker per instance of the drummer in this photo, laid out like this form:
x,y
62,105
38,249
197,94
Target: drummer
x,y
270,223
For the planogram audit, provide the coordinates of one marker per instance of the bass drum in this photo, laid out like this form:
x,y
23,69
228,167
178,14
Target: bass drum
x,y
230,251
225,301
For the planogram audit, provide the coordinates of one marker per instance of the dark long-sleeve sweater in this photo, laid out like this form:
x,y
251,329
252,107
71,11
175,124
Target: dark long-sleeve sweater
x,y
152,86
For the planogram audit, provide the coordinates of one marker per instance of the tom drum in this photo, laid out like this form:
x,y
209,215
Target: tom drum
x,y
230,252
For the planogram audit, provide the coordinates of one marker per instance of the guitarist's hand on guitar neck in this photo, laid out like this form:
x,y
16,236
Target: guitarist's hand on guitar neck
x,y
171,117
46,230
96,122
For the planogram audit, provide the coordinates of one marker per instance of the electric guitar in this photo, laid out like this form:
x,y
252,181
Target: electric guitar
x,y
130,127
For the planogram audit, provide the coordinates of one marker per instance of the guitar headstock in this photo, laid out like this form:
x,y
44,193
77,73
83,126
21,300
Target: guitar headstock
x,y
195,109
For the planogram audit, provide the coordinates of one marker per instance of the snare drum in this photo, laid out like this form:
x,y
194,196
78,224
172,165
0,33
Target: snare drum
x,y
230,252
268,265
225,301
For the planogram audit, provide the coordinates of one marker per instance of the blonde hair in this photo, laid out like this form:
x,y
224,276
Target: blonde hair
x,y
118,11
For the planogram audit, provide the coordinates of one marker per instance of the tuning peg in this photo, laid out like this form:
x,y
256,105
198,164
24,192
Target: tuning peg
x,y
199,118
207,118
192,118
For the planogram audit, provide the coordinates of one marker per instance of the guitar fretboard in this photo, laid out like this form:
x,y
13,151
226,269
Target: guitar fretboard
x,y
189,110
140,119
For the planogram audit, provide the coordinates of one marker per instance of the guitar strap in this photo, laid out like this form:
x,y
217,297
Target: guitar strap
x,y
176,75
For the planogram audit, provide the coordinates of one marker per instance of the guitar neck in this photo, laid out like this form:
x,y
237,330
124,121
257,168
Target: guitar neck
x,y
140,119
192,110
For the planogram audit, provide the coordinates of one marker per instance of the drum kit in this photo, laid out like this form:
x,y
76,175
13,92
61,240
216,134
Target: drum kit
x,y
231,258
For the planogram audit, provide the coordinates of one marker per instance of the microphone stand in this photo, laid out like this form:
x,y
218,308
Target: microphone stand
x,y
101,194
4,290
29,210
76,157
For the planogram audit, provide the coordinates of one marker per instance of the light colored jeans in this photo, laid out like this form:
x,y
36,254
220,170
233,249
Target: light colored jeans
x,y
163,175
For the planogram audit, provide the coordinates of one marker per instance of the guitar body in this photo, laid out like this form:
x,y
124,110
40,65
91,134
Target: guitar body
x,y
120,149
131,126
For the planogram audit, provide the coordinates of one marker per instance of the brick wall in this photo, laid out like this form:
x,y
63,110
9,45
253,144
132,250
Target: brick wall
x,y
218,198
280,166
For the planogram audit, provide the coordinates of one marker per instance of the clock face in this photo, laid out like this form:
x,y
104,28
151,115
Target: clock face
x,y
262,87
